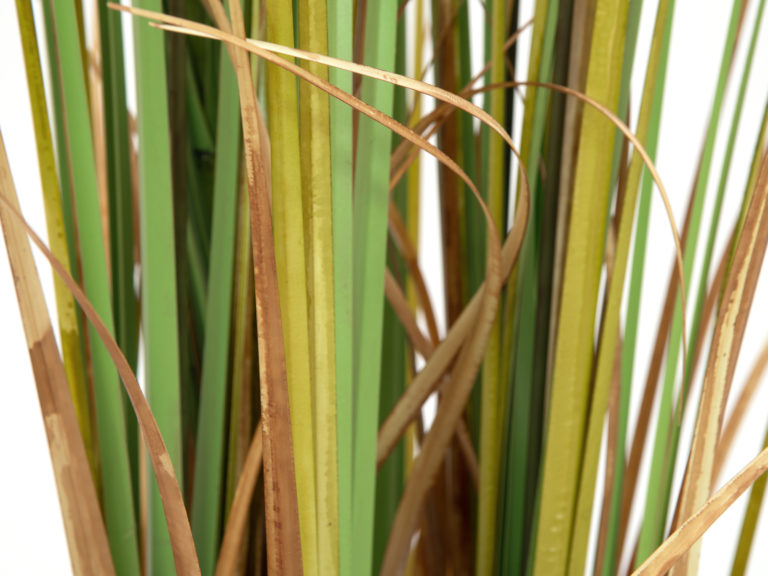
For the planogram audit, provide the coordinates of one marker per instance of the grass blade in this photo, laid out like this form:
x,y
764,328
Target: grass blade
x,y
412,212
284,551
705,302
526,324
729,331
243,357
340,46
655,508
391,474
630,44
68,326
288,209
114,150
318,232
369,254
119,182
61,149
158,258
390,477
444,39
209,459
578,66
680,550
574,353
491,407
118,497
611,319
614,533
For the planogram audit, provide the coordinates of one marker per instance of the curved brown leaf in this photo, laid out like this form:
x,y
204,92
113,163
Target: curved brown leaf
x,y
184,555
452,406
83,524
426,348
183,26
395,79
426,381
404,154
640,149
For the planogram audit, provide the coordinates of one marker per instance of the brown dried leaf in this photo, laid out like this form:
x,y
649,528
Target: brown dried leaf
x,y
729,332
182,543
83,523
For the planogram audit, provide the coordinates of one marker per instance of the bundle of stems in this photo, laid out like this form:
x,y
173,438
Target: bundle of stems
x,y
251,231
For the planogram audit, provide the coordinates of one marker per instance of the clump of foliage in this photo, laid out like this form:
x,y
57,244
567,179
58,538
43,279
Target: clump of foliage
x,y
266,197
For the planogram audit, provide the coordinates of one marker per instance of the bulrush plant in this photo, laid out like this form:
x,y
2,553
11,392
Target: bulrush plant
x,y
253,231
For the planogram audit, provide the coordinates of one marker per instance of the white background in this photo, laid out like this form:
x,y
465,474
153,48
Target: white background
x,y
31,533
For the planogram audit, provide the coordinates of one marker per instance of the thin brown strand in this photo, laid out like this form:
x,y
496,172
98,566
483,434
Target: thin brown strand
x,y
402,309
740,407
449,185
408,251
649,392
442,40
468,452
405,154
241,505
